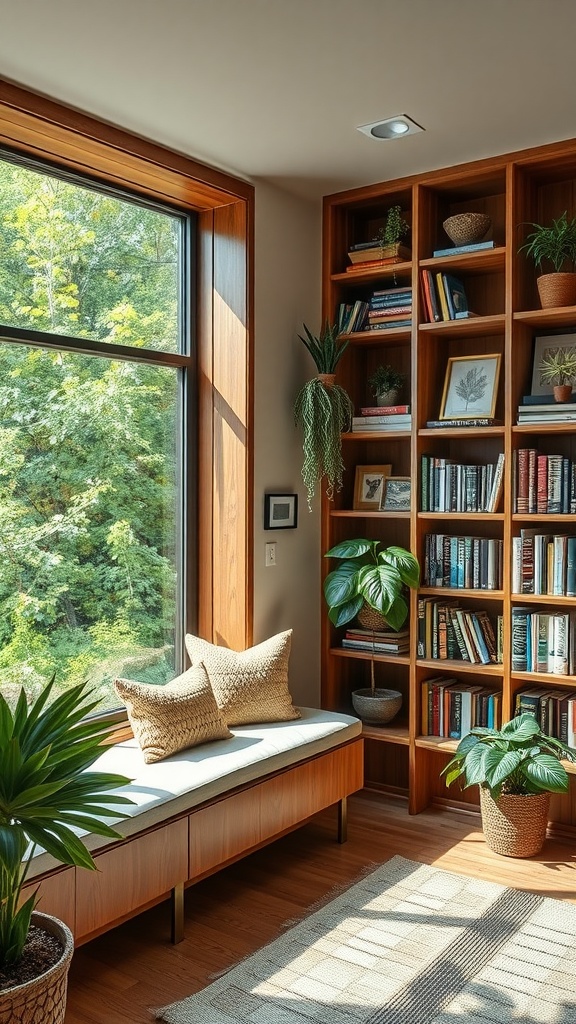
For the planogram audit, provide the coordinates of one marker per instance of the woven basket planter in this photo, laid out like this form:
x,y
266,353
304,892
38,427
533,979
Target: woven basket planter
x,y
557,290
43,1000
369,618
515,826
377,709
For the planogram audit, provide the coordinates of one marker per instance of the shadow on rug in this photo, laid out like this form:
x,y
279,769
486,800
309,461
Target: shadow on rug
x,y
409,944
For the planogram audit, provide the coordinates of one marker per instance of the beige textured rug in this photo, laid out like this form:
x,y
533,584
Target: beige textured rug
x,y
409,944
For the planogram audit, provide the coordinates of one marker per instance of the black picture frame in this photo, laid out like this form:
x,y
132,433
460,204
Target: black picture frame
x,y
280,511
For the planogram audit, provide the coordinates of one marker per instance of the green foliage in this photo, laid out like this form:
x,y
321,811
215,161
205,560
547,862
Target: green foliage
x,y
395,227
323,412
558,366
385,378
517,759
46,792
326,350
372,576
554,244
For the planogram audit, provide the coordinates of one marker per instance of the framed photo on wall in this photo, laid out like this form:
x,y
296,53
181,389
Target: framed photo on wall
x,y
396,495
369,486
280,511
470,387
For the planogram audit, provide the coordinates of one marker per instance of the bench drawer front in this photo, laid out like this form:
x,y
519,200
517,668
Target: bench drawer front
x,y
131,875
235,824
56,895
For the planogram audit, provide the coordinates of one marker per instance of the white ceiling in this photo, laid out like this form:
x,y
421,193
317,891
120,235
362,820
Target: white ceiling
x,y
275,88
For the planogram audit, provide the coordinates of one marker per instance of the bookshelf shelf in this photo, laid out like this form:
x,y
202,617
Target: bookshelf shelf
x,y
395,733
500,285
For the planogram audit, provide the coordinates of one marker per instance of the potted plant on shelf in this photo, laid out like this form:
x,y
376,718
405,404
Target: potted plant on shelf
x,y
516,767
370,584
45,791
554,245
395,228
385,384
324,410
558,368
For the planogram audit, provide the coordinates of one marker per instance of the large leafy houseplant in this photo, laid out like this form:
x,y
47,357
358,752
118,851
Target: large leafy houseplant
x,y
554,245
516,767
45,792
367,575
324,410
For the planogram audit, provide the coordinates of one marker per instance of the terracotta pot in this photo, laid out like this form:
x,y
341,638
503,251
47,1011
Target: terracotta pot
x,y
562,392
43,1000
327,379
557,290
515,826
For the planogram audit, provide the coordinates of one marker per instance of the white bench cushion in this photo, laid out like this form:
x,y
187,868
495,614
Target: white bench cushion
x,y
189,778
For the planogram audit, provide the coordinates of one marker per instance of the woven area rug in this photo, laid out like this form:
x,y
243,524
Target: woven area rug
x,y
409,944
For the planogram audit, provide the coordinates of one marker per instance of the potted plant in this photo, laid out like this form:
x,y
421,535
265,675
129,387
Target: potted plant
x,y
389,236
324,410
516,767
45,791
558,368
371,584
554,245
385,384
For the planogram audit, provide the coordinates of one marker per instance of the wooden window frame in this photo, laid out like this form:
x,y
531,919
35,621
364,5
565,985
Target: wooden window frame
x,y
42,128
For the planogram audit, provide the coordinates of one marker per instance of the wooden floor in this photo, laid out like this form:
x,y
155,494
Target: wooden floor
x,y
121,976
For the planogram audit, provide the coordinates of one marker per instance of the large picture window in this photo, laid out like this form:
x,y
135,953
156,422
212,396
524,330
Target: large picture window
x,y
95,367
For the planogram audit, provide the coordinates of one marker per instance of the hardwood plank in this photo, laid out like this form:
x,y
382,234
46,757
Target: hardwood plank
x,y
118,978
55,895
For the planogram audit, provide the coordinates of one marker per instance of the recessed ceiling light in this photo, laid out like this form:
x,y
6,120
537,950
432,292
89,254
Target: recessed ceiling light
x,y
391,128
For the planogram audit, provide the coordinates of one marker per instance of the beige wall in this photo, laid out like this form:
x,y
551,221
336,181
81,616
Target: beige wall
x,y
287,293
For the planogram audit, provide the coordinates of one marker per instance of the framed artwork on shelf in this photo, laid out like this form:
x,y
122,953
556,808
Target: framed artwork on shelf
x,y
369,487
546,347
470,387
280,511
396,494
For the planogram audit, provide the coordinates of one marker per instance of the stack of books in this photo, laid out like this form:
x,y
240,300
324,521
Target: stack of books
x,y
543,563
451,709
372,255
382,417
456,250
543,484
390,307
377,641
444,297
554,710
543,641
543,409
448,632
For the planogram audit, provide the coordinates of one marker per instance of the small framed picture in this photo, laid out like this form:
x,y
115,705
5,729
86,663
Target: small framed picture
x,y
280,511
369,486
396,494
470,387
546,345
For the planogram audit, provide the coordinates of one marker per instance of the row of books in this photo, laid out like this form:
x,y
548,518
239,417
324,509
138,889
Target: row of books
x,y
377,641
451,708
546,412
463,562
543,563
444,297
448,486
544,484
554,710
447,631
543,641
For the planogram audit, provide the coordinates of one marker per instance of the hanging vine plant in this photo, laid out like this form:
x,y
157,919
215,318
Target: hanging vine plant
x,y
324,410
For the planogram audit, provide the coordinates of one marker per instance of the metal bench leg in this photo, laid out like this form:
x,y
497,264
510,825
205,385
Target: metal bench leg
x,y
177,913
343,819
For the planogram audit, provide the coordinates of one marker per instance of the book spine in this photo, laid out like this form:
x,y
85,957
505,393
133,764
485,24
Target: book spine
x,y
384,410
519,639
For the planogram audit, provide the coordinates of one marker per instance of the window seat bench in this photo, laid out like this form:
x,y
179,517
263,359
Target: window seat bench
x,y
199,810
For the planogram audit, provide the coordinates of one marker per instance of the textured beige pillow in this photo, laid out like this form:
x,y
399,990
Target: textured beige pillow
x,y
169,718
252,685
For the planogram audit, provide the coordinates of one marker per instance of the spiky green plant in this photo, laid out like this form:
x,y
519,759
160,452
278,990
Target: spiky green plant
x,y
326,349
554,244
45,791
324,412
558,366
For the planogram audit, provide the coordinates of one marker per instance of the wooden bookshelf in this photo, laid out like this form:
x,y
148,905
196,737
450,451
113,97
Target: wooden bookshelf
x,y
515,189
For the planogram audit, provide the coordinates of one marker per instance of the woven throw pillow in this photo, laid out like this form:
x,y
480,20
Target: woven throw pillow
x,y
249,686
169,718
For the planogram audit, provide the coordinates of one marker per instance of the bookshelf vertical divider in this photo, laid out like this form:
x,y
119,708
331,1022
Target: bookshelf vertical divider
x,y
535,185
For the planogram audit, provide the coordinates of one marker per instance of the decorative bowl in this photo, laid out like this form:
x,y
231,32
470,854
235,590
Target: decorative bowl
x,y
467,228
378,709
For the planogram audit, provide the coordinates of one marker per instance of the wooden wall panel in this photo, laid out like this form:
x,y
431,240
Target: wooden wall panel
x,y
55,895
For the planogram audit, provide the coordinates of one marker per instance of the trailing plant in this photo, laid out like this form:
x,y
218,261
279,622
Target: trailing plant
x,y
323,410
385,378
558,366
45,791
395,227
367,575
554,244
518,759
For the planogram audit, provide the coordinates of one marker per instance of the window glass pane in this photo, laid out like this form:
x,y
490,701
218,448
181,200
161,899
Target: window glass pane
x,y
87,264
89,519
